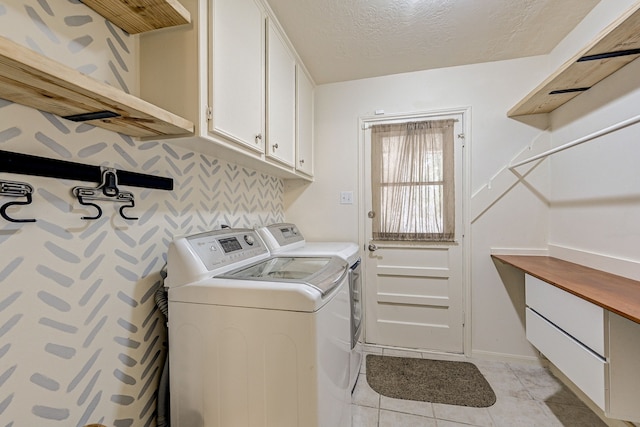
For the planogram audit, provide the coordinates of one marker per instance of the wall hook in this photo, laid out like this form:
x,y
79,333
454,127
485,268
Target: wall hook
x,y
87,193
106,191
15,189
129,197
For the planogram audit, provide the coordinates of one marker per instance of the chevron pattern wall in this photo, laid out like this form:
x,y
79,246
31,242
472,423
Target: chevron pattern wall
x,y
81,340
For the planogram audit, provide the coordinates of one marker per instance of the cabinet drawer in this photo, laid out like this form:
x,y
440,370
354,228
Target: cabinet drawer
x,y
587,370
577,317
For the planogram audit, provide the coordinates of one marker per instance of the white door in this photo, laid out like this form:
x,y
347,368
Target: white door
x,y
414,289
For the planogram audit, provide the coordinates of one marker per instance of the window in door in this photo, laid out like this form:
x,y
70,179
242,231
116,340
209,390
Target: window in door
x,y
413,191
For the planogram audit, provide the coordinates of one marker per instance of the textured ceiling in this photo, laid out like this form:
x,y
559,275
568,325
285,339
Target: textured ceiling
x,y
342,40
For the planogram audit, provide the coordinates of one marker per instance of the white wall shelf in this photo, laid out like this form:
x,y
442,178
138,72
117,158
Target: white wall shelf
x,y
616,46
138,16
36,81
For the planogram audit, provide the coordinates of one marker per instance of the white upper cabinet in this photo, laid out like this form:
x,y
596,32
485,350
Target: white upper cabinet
x,y
233,73
304,121
237,96
281,99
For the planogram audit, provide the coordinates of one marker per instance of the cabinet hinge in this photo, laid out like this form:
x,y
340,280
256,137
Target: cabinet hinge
x,y
209,113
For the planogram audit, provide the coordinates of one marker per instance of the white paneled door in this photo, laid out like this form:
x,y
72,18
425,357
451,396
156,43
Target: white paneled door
x,y
414,289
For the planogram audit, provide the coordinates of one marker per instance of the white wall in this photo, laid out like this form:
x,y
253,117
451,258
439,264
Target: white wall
x,y
595,198
517,220
587,208
595,204
490,89
595,192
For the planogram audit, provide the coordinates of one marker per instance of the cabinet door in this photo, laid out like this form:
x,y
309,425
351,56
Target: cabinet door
x,y
281,96
304,137
237,71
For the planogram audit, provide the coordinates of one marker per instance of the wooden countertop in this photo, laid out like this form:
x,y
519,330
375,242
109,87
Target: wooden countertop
x,y
614,293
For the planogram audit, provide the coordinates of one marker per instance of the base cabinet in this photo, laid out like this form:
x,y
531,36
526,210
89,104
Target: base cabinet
x,y
595,348
624,369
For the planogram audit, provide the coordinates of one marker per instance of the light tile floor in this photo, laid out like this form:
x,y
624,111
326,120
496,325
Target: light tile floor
x,y
527,395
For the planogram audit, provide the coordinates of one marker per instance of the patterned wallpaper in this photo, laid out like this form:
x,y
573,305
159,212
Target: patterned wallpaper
x,y
81,340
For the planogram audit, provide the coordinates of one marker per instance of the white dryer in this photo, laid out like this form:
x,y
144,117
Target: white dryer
x,y
286,238
256,340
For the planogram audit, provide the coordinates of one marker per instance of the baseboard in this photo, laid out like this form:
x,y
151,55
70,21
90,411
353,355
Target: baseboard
x,y
619,266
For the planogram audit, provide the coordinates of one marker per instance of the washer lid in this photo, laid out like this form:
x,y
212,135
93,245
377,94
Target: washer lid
x,y
348,251
321,273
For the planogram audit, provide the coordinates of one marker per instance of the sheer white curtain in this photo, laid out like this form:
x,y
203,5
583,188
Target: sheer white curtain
x,y
413,181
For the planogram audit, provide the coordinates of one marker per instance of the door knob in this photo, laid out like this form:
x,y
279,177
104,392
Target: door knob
x,y
372,247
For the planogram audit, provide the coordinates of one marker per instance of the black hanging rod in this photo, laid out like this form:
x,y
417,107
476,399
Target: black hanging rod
x,y
27,164
575,89
608,55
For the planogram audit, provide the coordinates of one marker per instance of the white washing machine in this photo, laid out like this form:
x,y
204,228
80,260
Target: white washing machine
x,y
286,238
256,340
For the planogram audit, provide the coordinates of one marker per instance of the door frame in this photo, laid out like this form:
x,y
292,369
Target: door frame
x,y
364,122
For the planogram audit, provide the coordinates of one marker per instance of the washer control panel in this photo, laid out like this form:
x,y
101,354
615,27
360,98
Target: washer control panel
x,y
284,234
227,246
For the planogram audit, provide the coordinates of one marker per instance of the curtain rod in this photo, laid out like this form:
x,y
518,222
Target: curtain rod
x,y
391,121
605,131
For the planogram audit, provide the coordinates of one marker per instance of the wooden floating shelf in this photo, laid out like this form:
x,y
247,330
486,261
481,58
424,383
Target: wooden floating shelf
x,y
36,81
580,72
138,16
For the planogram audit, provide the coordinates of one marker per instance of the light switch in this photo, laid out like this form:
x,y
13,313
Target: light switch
x,y
346,197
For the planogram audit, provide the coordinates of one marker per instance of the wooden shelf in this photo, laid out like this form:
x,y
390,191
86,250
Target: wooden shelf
x,y
577,76
138,16
31,79
609,291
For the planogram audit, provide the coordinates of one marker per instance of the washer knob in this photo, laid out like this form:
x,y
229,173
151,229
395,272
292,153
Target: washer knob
x,y
249,239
